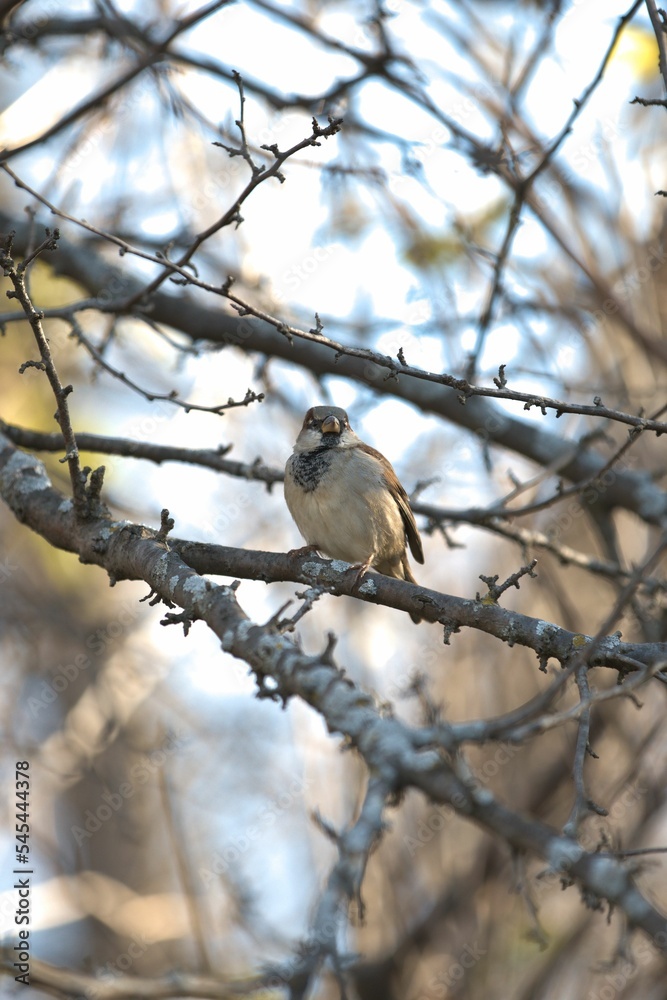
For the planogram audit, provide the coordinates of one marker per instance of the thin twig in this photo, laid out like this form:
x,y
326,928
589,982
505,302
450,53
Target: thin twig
x,y
167,397
233,212
394,368
582,804
17,276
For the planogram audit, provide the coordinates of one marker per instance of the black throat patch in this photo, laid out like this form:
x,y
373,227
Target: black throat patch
x,y
310,467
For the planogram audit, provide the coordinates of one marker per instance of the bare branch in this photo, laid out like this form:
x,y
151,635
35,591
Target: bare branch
x,y
387,746
103,95
17,276
628,489
658,25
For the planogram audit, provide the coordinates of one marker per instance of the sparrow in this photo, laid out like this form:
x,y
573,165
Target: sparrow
x,y
346,499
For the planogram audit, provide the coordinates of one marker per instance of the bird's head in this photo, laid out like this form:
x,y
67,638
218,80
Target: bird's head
x,y
325,427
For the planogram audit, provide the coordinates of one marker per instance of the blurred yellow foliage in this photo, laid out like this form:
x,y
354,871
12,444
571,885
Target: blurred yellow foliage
x,y
426,249
638,48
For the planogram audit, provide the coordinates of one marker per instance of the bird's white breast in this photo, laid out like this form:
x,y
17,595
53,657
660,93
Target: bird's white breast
x,y
350,514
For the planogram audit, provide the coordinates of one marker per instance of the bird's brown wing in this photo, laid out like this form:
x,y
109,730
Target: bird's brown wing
x,y
402,501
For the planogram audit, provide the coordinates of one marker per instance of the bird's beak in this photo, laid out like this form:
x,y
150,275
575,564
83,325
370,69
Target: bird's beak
x,y
331,425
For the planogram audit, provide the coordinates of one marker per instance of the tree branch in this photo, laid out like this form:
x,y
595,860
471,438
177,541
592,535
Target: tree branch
x,y
636,491
283,670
